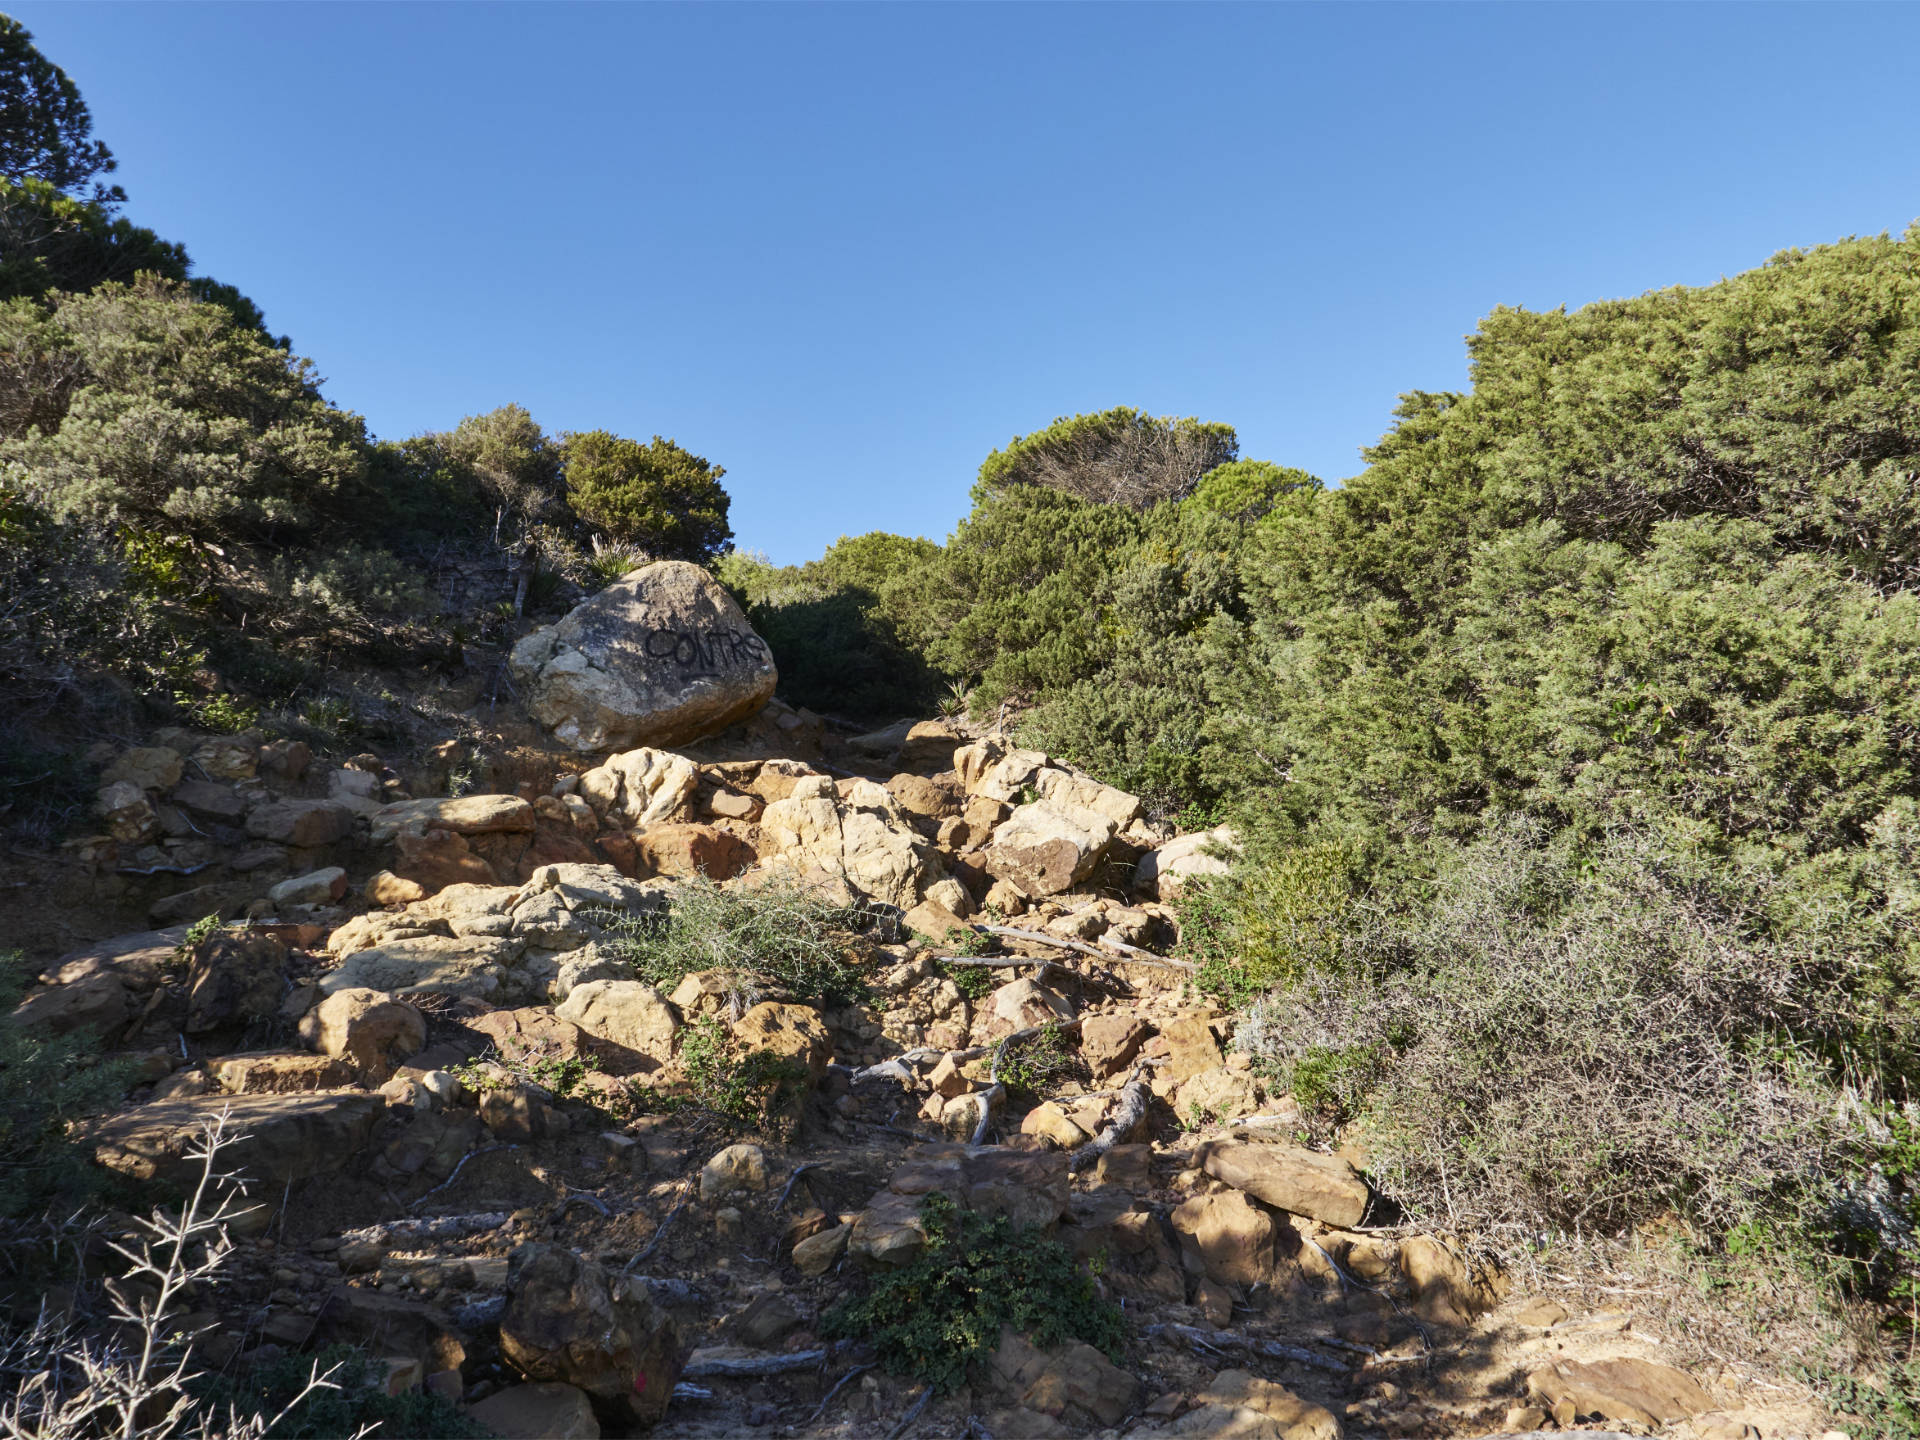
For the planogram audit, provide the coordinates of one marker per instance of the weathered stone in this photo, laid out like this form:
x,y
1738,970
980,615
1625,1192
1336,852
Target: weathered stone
x,y
395,1325
887,1234
285,761
308,824
462,815
1445,1289
1074,1382
929,747
1111,1043
368,1029
738,1167
1050,1123
318,887
387,888
1162,872
1066,789
1217,1094
234,977
279,1073
631,1015
1191,1047
1023,1003
151,767
641,787
795,1032
474,965
1630,1390
863,837
598,887
285,1137
1240,1405
928,800
539,1412
1029,1189
228,757
96,1002
1301,1182
690,849
210,800
660,657
129,815
1233,1237
568,1320
820,1252
1049,846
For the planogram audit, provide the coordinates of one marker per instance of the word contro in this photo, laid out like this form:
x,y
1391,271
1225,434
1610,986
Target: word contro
x,y
710,650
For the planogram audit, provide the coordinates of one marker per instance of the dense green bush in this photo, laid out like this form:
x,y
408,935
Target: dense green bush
x,y
1119,456
942,1312
656,495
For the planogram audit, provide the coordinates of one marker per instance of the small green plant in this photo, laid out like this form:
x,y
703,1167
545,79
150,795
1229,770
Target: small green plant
x,y
1889,1410
956,700
755,1089
1199,1117
932,1319
1036,1066
331,715
967,941
972,981
227,714
780,936
557,1075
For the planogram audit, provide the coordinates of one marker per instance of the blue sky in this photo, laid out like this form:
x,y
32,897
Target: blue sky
x,y
845,251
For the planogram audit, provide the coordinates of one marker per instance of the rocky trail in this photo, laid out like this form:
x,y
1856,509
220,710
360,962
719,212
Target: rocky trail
x,y
481,1149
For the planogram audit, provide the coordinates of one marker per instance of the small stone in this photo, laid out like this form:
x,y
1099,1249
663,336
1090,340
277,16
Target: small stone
x,y
319,887
819,1253
736,1168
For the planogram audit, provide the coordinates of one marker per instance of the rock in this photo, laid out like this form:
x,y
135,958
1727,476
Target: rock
x,y
598,887
863,837
357,790
819,1253
428,964
279,1073
129,815
690,849
731,806
1240,1405
1128,1166
1191,1047
387,888
567,1319
1540,1313
1301,1182
285,1137
928,747
1233,1237
210,800
947,1080
1074,1382
96,1002
881,744
1030,1189
1050,1123
660,657
1111,1043
228,757
736,1168
284,760
626,1013
1444,1288
640,787
395,1325
1162,872
319,887
1049,846
307,824
234,977
1023,1003
1005,897
887,1234
1632,1391
463,815
538,1412
768,1319
932,919
368,1029
1215,1095
794,1031
992,769
151,767
926,799
515,1114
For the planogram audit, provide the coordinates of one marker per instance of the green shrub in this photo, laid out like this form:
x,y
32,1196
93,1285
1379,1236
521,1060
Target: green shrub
x,y
1038,1065
359,1402
753,1089
45,1086
656,495
778,936
1119,456
940,1314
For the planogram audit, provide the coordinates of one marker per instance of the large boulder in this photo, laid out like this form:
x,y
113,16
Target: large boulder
x,y
626,1013
541,1412
569,1321
640,787
281,1137
1050,845
235,977
661,657
475,965
368,1029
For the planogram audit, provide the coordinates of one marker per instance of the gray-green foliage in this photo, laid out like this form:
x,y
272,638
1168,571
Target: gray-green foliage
x,y
779,936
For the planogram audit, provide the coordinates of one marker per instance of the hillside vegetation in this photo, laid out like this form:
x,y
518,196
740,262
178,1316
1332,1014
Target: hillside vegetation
x,y
1572,749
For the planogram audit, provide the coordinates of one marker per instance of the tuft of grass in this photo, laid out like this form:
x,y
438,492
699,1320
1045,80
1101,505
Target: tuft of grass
x,y
779,937
934,1318
1036,1066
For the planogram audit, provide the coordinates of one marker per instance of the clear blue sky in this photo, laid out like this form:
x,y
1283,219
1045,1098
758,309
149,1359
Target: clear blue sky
x,y
845,251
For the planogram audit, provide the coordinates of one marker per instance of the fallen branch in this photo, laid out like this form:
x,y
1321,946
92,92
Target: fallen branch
x,y
1065,1027
660,1232
1227,1340
439,1227
1119,955
684,1391
793,1179
838,1386
913,1414
1128,1113
483,1150
710,1366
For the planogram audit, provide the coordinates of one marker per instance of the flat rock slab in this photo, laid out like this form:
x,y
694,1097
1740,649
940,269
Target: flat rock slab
x,y
1301,1182
286,1137
446,964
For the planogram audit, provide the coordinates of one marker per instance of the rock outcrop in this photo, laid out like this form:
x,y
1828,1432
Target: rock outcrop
x,y
661,657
